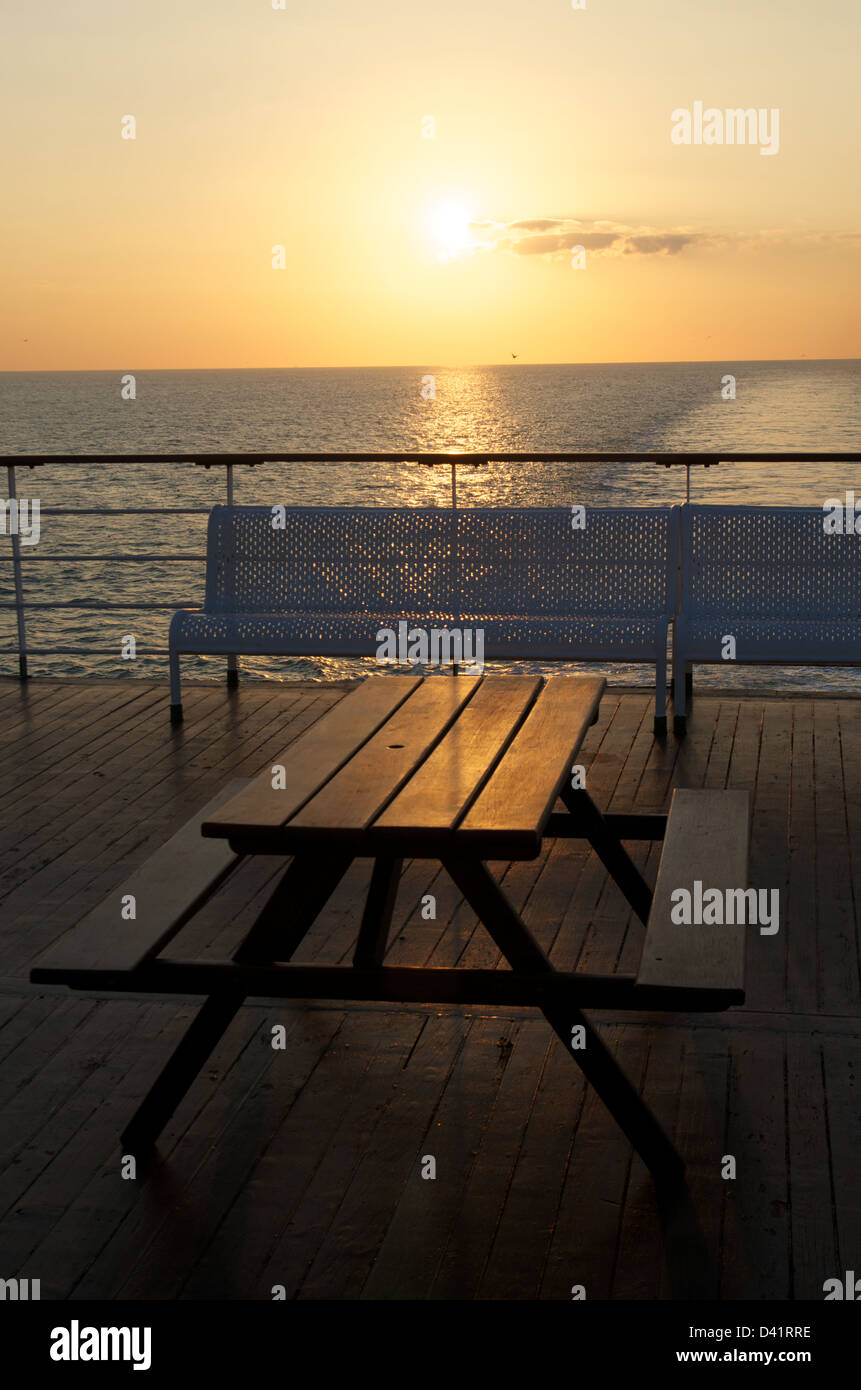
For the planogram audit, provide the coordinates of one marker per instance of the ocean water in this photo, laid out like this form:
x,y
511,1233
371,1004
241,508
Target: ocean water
x,y
518,407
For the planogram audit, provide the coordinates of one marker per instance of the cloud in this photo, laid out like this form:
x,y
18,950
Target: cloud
x,y
563,241
554,237
536,224
670,243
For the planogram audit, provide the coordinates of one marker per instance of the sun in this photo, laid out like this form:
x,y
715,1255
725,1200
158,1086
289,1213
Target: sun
x,y
451,229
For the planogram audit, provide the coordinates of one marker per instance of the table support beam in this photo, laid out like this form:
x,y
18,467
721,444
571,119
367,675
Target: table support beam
x,y
563,826
407,984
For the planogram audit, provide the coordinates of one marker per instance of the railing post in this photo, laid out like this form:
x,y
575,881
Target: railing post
x,y
232,664
455,558
19,582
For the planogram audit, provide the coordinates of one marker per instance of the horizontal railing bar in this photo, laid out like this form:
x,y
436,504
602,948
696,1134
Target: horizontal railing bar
x,y
463,459
26,554
124,511
93,606
83,651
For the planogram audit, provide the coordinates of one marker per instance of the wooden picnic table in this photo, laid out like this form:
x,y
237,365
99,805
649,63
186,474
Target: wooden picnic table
x,y
463,770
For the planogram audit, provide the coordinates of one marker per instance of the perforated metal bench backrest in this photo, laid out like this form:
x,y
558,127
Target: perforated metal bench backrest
x,y
488,560
767,561
530,561
330,559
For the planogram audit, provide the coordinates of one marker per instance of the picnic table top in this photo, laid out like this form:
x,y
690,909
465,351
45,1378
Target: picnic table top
x,y
418,767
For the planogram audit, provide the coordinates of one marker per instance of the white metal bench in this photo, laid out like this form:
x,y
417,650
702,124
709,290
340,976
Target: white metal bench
x,y
788,593
330,578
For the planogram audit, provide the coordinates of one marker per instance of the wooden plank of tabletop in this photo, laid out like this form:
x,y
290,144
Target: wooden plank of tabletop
x,y
511,811
348,803
445,785
315,757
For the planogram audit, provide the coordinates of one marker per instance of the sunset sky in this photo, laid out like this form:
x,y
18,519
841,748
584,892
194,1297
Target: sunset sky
x,y
303,127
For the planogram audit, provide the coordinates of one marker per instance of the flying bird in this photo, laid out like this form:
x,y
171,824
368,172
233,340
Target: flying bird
x,y
514,354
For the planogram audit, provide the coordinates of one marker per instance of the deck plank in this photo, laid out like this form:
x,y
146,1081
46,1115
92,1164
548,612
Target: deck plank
x,y
803,967
319,1152
767,956
583,1245
755,1252
841,986
389,1163
694,1225
813,1226
424,1221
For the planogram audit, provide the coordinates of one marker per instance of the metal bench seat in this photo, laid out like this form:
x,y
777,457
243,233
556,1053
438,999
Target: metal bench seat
x,y
291,634
769,639
567,639
356,634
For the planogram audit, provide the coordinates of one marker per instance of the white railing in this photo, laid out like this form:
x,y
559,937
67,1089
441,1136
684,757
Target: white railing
x,y
453,461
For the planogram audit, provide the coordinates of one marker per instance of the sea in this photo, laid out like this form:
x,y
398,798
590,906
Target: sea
x,y
687,407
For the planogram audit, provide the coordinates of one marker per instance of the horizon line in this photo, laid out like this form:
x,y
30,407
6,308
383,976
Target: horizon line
x,y
425,366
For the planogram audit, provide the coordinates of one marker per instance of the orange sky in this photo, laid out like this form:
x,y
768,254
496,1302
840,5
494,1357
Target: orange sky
x,y
305,128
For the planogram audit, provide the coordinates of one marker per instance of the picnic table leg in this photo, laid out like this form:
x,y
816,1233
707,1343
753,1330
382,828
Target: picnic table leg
x,y
176,1076
597,1063
609,850
377,917
301,893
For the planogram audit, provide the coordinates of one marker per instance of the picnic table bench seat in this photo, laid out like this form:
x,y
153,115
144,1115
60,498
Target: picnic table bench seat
x,y
706,840
461,771
168,889
326,580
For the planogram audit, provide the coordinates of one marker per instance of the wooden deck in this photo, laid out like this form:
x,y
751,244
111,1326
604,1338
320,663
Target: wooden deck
x,y
302,1167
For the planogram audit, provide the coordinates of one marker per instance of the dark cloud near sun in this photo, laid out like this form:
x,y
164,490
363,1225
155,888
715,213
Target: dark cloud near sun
x,y
563,241
671,244
535,224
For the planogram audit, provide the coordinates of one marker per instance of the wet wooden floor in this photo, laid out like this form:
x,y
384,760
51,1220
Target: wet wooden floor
x,y
301,1168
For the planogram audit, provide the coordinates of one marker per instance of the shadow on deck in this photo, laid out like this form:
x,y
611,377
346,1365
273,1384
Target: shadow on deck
x,y
302,1167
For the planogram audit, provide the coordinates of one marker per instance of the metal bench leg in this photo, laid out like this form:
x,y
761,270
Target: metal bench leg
x,y
597,1063
679,693
175,690
661,697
